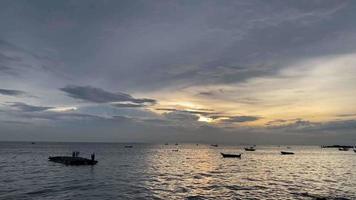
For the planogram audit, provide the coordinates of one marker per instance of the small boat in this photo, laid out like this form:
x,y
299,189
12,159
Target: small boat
x,y
250,149
176,144
226,155
128,146
287,153
166,144
175,150
69,160
344,149
214,145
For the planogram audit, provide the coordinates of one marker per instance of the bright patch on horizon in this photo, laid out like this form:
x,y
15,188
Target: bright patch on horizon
x,y
63,109
205,119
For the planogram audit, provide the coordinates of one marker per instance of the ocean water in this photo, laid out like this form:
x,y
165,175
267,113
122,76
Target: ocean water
x,y
154,171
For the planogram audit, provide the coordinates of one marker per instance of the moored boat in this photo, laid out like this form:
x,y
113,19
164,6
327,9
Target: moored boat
x,y
227,155
287,153
250,149
214,145
344,149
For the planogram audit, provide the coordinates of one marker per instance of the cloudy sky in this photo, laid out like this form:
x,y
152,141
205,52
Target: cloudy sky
x,y
244,72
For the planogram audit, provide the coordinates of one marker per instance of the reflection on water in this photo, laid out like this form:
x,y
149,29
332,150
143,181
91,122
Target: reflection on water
x,y
193,172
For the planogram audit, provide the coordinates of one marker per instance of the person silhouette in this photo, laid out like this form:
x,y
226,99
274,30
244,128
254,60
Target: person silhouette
x,y
92,156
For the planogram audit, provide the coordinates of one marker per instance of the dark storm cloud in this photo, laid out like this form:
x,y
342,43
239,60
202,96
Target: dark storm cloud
x,y
98,95
12,92
28,108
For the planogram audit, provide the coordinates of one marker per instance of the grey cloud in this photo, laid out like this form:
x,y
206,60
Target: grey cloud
x,y
11,92
99,95
205,112
347,115
179,116
306,126
28,108
240,119
128,105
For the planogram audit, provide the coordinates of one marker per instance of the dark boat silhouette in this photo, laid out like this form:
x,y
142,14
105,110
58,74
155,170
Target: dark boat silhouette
x,y
74,159
250,149
287,153
344,149
214,145
227,155
128,146
69,160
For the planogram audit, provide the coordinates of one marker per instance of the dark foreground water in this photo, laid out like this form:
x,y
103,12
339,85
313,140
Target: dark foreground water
x,y
157,172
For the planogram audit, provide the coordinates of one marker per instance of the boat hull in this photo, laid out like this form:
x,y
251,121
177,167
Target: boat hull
x,y
224,155
67,160
287,153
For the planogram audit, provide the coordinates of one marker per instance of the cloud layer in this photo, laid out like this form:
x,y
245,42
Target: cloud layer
x,y
242,71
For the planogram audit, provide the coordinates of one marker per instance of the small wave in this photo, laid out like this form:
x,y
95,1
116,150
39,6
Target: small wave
x,y
197,197
318,197
44,191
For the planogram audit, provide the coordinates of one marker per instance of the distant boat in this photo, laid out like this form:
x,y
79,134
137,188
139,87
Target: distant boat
x,y
226,155
175,150
166,144
128,146
176,144
250,149
286,153
344,149
214,145
33,142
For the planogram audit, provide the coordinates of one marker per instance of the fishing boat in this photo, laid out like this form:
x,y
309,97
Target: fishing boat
x,y
69,160
344,149
250,149
287,153
128,146
226,155
214,145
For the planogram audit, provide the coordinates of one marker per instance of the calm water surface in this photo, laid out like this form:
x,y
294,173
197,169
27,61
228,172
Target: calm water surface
x,y
194,172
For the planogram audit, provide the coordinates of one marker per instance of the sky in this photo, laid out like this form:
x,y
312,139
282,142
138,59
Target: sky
x,y
239,72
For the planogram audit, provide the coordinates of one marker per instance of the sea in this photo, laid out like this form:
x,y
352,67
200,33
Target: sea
x,y
159,171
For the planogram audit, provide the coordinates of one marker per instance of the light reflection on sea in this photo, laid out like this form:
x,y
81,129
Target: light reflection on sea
x,y
194,172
